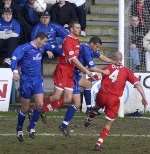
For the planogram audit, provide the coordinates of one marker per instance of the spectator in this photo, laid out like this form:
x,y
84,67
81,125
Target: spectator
x,y
50,3
10,4
81,13
9,34
21,2
135,59
146,44
137,33
52,31
31,18
63,13
137,9
141,9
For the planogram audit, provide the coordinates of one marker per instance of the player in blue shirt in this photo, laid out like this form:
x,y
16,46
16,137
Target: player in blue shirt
x,y
27,58
53,31
87,54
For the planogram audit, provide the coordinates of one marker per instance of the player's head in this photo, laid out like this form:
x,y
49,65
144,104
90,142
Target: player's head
x,y
7,14
41,39
75,28
45,18
117,56
95,43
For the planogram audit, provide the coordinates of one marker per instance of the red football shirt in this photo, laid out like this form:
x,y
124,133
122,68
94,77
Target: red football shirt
x,y
115,82
71,47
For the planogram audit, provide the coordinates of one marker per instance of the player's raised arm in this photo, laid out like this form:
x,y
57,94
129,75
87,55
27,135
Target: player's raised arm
x,y
108,60
83,69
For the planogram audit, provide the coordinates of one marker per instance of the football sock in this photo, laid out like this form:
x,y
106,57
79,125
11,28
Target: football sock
x,y
103,135
50,106
87,95
69,115
35,117
21,119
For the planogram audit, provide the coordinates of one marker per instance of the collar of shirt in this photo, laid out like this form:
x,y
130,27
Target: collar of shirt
x,y
33,44
74,37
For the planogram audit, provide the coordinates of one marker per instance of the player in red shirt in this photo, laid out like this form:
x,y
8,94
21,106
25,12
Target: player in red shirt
x,y
108,97
63,75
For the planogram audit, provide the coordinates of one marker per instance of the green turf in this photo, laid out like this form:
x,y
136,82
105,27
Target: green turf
x,y
76,144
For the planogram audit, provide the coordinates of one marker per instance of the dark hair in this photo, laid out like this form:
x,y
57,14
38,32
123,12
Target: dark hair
x,y
41,35
72,23
95,40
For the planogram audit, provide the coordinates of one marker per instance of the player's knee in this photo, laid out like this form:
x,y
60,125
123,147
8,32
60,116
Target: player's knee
x,y
25,107
57,97
78,105
39,106
67,100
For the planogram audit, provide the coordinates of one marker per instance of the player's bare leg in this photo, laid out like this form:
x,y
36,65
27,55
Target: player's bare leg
x,y
36,114
25,105
50,101
103,135
56,101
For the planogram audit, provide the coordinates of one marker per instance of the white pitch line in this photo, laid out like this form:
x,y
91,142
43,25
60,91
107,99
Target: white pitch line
x,y
82,134
147,118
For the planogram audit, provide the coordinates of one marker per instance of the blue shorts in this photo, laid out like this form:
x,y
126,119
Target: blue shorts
x,y
30,86
76,88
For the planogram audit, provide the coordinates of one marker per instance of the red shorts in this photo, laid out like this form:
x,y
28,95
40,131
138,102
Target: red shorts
x,y
110,103
63,76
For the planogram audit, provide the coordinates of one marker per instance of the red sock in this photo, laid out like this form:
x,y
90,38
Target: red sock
x,y
47,105
103,135
57,104
50,106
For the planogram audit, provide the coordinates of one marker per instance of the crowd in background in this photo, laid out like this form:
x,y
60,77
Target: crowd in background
x,y
140,35
21,20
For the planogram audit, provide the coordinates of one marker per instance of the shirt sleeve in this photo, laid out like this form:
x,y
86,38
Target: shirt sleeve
x,y
60,31
96,54
88,57
16,27
16,57
131,77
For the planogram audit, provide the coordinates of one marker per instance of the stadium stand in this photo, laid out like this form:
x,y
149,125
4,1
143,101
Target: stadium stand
x,y
63,13
102,21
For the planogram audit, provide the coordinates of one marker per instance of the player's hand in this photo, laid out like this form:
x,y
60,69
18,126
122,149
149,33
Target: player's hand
x,y
16,76
106,72
50,54
90,74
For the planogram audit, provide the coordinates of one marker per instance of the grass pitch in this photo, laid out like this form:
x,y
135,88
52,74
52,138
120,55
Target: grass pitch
x,y
128,136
